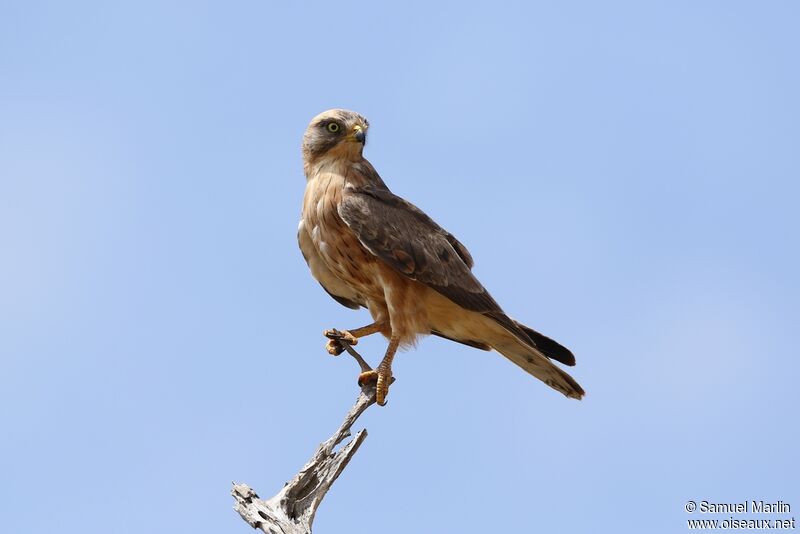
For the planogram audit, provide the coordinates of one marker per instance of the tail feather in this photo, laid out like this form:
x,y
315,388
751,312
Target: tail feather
x,y
522,345
549,347
546,346
536,364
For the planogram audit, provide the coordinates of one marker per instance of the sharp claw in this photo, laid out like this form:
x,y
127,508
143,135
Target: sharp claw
x,y
381,394
344,336
381,377
331,333
334,348
382,387
334,345
336,338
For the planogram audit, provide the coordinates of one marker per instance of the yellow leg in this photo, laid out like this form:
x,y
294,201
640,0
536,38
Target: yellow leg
x,y
350,336
383,373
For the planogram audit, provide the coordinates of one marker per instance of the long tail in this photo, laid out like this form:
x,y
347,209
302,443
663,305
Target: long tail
x,y
533,360
535,363
524,346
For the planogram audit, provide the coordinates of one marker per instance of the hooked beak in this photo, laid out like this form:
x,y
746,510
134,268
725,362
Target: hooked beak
x,y
359,134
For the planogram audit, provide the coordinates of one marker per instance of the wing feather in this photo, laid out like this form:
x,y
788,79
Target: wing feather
x,y
413,244
408,240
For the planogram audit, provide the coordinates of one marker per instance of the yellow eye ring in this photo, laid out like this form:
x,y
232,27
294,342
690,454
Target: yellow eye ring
x,y
333,127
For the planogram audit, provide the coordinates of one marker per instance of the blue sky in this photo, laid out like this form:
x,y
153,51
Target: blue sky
x,y
624,173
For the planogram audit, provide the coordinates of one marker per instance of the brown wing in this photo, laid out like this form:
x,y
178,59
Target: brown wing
x,y
408,240
400,234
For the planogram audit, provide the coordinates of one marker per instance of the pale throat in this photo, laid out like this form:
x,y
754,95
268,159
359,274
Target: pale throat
x,y
336,160
345,150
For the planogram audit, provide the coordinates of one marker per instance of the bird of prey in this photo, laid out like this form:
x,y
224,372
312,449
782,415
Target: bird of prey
x,y
369,248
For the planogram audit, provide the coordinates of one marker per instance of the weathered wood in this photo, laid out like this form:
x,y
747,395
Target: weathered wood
x,y
292,510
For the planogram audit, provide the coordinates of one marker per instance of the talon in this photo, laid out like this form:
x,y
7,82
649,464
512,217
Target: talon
x,y
382,377
385,379
334,346
344,335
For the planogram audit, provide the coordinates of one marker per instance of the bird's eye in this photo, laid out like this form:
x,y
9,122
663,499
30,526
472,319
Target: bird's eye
x,y
333,127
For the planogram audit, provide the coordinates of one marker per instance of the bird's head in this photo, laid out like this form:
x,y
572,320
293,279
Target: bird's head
x,y
336,133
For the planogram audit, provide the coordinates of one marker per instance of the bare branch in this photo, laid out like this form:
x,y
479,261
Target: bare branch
x,y
292,510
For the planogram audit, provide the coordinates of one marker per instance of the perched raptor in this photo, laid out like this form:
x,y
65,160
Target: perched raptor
x,y
370,248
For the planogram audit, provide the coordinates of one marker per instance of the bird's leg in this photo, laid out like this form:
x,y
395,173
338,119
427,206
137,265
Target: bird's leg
x,y
334,336
383,373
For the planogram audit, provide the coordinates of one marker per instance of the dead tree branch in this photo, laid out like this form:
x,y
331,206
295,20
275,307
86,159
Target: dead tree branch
x,y
292,510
